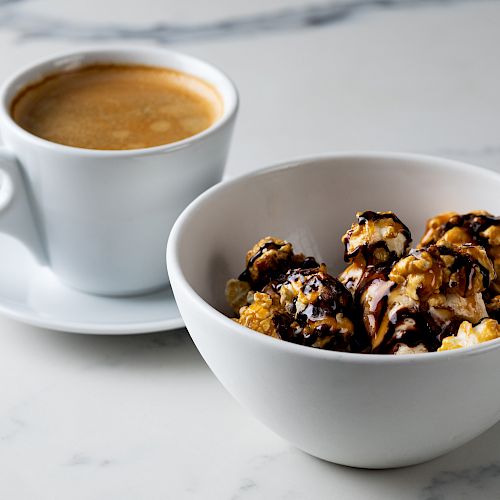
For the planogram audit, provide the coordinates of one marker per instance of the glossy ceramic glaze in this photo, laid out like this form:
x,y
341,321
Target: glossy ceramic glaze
x,y
101,219
373,411
32,293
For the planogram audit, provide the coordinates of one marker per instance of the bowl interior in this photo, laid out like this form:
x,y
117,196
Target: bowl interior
x,y
312,203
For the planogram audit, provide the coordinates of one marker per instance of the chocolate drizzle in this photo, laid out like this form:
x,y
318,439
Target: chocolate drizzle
x,y
274,269
415,325
269,245
474,224
389,296
316,320
369,215
463,263
367,249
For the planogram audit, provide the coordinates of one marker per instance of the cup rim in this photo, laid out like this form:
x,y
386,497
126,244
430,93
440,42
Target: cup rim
x,y
230,99
178,276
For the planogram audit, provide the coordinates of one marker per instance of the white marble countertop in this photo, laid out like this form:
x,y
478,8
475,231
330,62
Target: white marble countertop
x,y
142,417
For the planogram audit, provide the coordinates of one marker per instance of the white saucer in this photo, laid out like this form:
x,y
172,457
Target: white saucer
x,y
32,294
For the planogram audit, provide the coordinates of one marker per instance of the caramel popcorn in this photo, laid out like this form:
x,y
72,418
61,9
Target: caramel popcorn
x,y
237,294
462,269
468,335
427,293
404,349
259,315
267,260
270,258
375,241
479,228
493,307
304,306
390,299
377,236
420,274
318,306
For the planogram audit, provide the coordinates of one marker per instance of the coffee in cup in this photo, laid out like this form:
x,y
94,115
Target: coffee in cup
x,y
117,106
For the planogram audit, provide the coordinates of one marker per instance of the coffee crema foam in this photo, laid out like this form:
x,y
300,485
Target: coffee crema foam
x,y
117,107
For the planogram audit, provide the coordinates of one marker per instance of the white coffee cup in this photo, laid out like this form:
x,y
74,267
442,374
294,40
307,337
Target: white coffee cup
x,y
101,219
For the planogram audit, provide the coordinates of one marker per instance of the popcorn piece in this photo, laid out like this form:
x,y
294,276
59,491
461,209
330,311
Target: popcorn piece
x,y
404,349
319,307
372,246
268,259
352,276
468,335
376,241
391,318
479,228
435,229
237,294
378,236
493,307
307,307
462,269
260,315
420,273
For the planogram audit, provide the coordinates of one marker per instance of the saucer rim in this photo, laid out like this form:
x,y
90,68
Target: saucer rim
x,y
87,328
19,307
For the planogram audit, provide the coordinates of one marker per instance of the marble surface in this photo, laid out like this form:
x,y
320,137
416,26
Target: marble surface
x,y
143,417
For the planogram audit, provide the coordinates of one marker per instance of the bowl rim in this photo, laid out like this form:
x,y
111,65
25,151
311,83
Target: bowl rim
x,y
178,279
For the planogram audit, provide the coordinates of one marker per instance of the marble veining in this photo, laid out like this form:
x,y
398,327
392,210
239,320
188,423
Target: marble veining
x,y
246,485
10,427
466,483
81,459
33,27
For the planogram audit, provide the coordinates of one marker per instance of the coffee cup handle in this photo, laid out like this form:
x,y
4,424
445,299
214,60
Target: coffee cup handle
x,y
17,216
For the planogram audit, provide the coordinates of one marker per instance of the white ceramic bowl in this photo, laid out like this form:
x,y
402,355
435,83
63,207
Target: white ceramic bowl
x,y
362,410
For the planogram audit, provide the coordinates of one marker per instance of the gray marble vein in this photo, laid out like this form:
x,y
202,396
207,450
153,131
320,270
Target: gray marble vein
x,y
247,484
78,459
36,26
466,483
10,427
82,459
